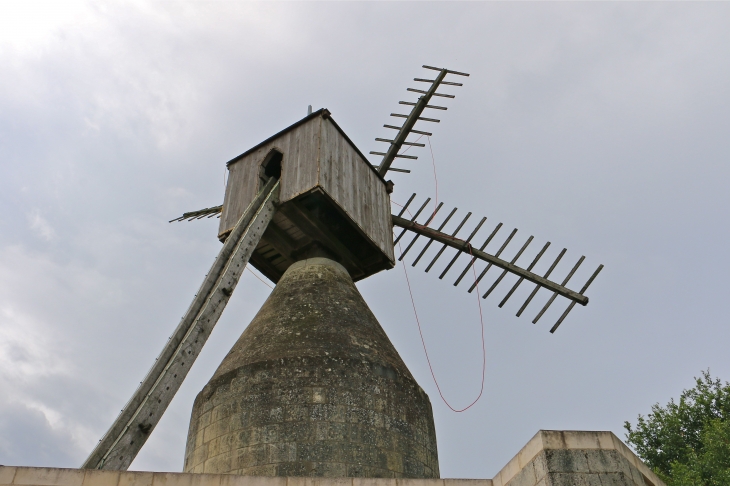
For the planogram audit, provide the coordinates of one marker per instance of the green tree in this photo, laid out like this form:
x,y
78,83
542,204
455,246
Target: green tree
x,y
688,443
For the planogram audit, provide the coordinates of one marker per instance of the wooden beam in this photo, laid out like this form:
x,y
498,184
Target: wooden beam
x,y
464,246
319,231
118,448
264,266
280,239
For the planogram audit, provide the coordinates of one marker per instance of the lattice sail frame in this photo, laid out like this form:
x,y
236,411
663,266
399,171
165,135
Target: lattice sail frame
x,y
464,247
200,214
414,116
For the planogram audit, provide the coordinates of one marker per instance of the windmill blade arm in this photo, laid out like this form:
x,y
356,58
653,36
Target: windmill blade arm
x,y
409,124
415,115
464,246
201,213
118,448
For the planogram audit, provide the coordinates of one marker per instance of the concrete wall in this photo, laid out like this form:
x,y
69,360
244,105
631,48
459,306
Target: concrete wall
x,y
550,458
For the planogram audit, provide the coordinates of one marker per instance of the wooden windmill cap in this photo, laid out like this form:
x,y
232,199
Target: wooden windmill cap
x,y
333,203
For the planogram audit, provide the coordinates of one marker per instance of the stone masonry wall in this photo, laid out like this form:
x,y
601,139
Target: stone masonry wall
x,y
580,458
313,387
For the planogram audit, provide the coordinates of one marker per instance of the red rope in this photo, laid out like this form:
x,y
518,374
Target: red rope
x,y
423,341
435,179
415,312
262,280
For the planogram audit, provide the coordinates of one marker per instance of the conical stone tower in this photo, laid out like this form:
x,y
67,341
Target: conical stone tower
x,y
313,387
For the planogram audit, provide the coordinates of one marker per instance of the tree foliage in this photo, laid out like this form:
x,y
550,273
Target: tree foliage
x,y
688,443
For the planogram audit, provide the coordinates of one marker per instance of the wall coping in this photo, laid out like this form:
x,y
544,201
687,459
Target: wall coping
x,y
543,440
48,476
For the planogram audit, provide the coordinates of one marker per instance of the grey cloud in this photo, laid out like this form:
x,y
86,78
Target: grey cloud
x,y
599,127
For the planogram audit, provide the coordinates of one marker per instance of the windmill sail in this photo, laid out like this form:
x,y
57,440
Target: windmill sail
x,y
118,448
200,214
414,116
464,247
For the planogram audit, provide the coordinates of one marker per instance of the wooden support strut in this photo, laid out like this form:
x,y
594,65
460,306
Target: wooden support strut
x,y
118,448
462,245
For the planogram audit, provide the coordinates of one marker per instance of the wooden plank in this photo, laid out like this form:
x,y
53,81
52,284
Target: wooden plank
x,y
241,189
349,180
300,165
118,448
462,245
281,240
299,170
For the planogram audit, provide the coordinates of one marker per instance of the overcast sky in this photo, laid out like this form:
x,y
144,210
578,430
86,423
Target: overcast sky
x,y
601,127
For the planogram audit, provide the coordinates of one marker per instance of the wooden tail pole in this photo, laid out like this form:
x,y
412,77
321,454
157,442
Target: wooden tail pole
x,y
120,445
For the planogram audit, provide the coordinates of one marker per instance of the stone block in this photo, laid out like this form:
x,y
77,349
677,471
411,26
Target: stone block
x,y
172,479
533,447
616,479
637,477
372,482
231,480
600,461
315,481
507,472
574,479
198,456
47,476
135,478
96,477
264,470
525,477
539,463
282,452
199,439
205,419
552,439
7,473
420,482
206,479
581,440
569,461
213,464
467,482
319,395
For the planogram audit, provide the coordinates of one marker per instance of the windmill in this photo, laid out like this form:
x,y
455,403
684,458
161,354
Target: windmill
x,y
314,387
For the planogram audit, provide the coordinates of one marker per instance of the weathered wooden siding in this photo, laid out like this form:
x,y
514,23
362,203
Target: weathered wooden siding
x,y
348,179
300,165
298,175
243,184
